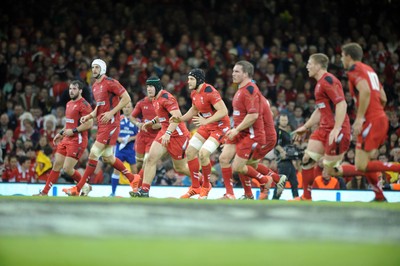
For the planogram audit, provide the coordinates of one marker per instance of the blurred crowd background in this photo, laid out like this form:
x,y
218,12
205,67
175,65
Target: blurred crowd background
x,y
44,45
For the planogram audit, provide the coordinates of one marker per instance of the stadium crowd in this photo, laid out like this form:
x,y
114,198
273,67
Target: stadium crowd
x,y
43,49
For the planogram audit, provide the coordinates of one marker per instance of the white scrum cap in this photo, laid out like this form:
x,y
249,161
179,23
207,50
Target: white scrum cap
x,y
102,64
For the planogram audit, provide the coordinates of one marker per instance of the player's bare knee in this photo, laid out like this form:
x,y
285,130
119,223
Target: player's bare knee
x,y
361,166
238,168
190,154
151,160
204,156
180,168
68,170
108,159
307,162
224,160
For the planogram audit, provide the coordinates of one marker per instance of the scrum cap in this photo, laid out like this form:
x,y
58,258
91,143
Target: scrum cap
x,y
199,75
102,64
154,81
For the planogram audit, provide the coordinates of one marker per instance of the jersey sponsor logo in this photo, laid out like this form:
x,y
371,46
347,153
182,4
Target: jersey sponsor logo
x,y
69,120
162,119
321,105
145,107
205,115
236,112
101,103
317,88
126,131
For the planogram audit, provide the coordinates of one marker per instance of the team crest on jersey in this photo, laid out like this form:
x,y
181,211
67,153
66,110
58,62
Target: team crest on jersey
x,y
317,88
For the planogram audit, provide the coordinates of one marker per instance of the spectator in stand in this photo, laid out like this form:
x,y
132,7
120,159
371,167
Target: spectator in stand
x,y
4,124
49,129
325,181
28,98
11,168
26,172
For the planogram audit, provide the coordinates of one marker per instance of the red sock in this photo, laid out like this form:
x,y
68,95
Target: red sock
x,y
194,168
350,170
308,179
90,167
378,166
141,172
267,171
76,176
246,184
227,177
206,169
119,165
317,170
251,172
373,180
146,187
51,179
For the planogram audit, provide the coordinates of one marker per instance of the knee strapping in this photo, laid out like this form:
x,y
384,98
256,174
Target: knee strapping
x,y
210,146
195,143
108,151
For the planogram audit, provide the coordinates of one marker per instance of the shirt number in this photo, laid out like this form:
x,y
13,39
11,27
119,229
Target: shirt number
x,y
373,78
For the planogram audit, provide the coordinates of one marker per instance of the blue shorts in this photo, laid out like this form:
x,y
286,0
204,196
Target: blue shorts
x,y
126,156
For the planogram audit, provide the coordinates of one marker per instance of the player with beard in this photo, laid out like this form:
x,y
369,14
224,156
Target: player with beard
x,y
72,140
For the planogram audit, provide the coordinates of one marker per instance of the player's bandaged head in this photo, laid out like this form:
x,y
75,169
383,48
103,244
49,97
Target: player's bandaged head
x,y
199,75
156,82
102,64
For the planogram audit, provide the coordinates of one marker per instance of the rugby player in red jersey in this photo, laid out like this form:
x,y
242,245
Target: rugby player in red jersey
x,y
331,140
172,138
210,114
72,140
247,132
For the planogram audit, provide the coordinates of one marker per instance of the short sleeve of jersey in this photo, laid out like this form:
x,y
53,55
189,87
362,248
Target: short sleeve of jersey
x,y
251,101
115,87
213,97
170,104
333,89
85,108
356,75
